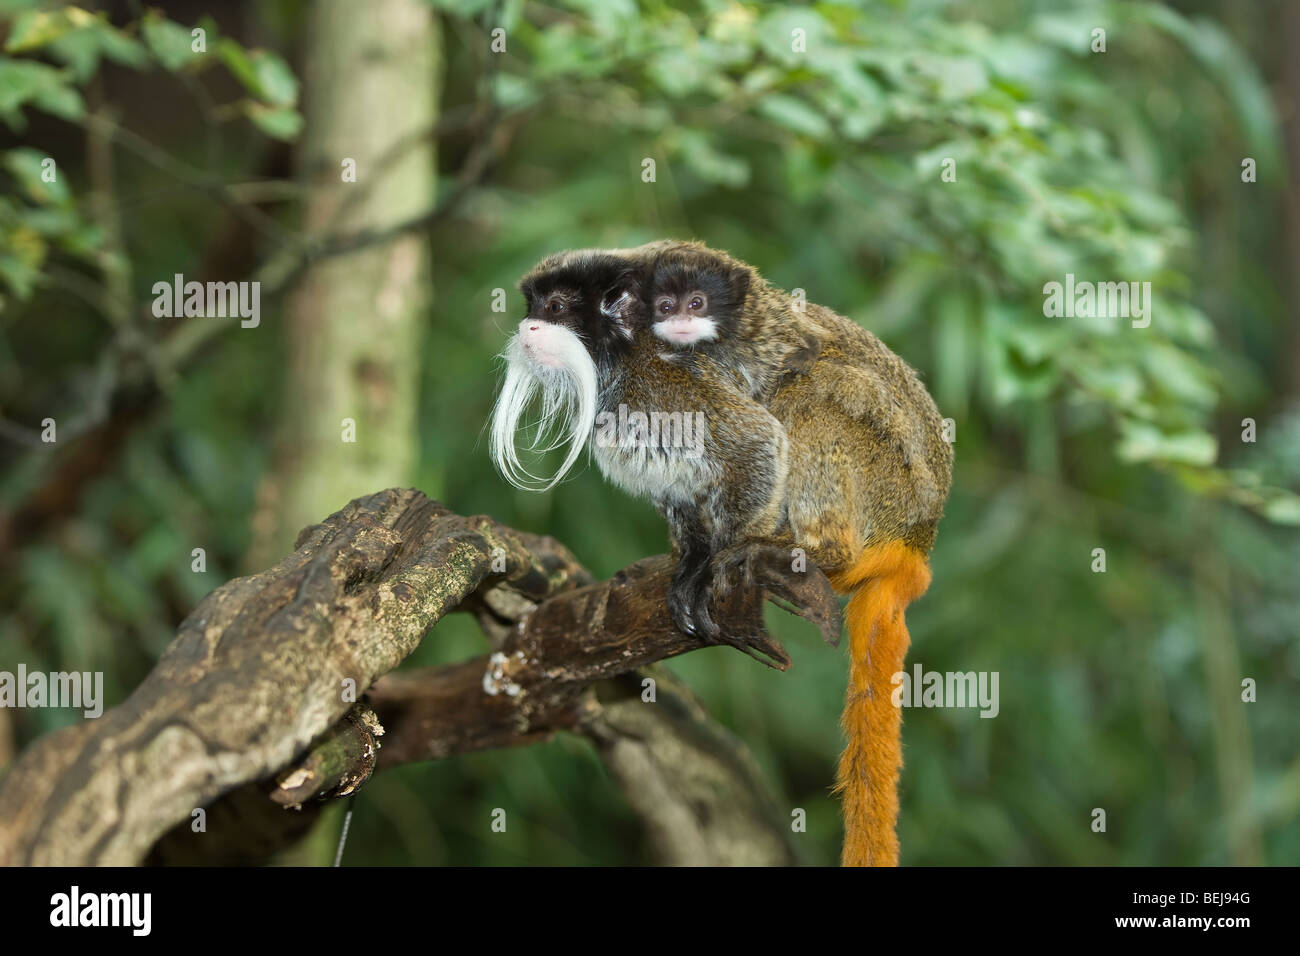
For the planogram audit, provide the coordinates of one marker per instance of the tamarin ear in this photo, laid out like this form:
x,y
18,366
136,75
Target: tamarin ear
x,y
621,300
739,280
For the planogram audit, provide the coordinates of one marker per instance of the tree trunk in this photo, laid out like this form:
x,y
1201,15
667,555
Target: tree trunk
x,y
372,75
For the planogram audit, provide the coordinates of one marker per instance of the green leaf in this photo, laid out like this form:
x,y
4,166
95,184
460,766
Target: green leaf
x,y
1283,509
513,92
263,74
1118,385
62,101
45,87
1142,441
51,222
81,50
18,275
274,78
1021,378
731,34
852,96
1180,375
563,51
928,163
794,114
21,261
1070,31
953,346
27,166
776,35
608,17
36,28
678,72
81,240
119,47
280,122
170,42
805,170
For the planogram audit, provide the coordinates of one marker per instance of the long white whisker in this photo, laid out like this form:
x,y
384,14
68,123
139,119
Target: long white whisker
x,y
568,409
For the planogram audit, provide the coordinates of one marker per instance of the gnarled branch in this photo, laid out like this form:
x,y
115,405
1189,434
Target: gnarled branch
x,y
265,668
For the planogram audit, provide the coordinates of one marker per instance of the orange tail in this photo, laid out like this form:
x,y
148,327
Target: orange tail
x,y
885,579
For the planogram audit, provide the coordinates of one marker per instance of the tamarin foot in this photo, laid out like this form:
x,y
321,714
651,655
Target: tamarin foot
x,y
704,624
679,607
689,596
806,592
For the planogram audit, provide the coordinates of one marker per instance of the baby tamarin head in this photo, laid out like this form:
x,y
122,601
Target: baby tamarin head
x,y
697,295
704,300
582,307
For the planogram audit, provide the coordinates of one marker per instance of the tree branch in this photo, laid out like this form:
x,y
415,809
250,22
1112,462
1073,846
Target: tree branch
x,y
262,672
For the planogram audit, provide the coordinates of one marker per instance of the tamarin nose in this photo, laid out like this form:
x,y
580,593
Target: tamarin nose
x,y
533,328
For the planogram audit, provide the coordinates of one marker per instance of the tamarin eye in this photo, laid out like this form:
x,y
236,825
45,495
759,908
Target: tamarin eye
x,y
697,303
666,304
555,305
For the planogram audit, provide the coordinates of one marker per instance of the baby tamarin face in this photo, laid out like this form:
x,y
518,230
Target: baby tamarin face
x,y
695,298
582,307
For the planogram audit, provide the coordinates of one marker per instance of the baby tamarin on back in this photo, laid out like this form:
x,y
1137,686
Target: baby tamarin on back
x,y
814,358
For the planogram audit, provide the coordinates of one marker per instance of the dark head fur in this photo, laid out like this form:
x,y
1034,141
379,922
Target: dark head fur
x,y
690,267
598,294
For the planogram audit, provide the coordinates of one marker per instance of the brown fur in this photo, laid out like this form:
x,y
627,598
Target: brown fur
x,y
745,446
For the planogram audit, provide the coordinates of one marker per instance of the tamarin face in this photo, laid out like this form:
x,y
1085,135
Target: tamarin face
x,y
696,297
588,295
582,306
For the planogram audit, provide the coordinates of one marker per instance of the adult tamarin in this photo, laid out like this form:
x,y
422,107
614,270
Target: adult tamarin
x,y
671,427
853,496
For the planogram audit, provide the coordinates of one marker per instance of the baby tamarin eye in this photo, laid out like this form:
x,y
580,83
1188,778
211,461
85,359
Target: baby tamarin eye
x,y
666,305
698,303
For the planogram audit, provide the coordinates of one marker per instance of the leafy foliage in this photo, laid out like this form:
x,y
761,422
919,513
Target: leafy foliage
x,y
78,41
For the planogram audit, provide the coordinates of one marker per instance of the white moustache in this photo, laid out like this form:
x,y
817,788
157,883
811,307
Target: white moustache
x,y
568,413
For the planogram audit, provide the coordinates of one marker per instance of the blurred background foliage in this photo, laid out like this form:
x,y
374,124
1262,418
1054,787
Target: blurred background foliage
x,y
1120,690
